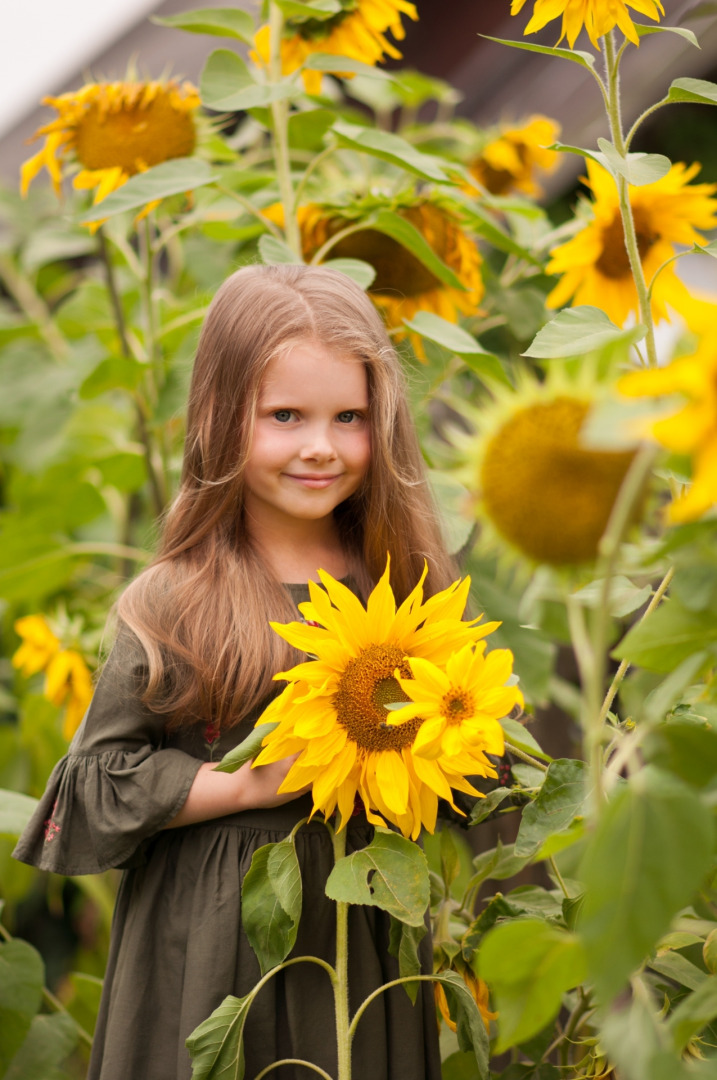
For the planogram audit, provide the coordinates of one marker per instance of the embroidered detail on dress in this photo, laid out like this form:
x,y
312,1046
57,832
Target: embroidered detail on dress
x,y
212,734
51,826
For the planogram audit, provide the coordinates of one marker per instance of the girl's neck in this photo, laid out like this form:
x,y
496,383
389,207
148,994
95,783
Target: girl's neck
x,y
297,554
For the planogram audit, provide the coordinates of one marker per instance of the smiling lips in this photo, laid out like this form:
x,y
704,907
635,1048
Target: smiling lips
x,y
314,480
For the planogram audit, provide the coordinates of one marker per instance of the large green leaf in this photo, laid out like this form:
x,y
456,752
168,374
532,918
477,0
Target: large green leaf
x,y
50,1040
638,169
529,965
22,975
579,330
403,944
470,1028
654,822
668,636
693,1013
227,84
390,873
699,91
15,812
219,22
562,798
271,902
389,147
688,750
644,28
217,1045
586,60
458,341
169,178
247,750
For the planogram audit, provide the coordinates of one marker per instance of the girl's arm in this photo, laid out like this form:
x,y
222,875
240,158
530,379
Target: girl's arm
x,y
214,794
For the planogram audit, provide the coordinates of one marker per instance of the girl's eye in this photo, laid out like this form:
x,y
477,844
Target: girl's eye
x,y
283,415
347,417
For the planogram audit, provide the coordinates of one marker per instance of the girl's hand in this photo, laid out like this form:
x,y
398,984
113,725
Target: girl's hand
x,y
258,787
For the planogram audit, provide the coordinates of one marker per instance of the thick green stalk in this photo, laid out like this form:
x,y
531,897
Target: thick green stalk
x,y
628,222
280,116
341,986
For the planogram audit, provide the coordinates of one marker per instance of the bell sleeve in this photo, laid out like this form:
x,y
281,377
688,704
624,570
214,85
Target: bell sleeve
x,y
117,786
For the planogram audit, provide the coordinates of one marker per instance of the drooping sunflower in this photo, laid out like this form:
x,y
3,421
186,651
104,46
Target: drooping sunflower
x,y
333,712
692,429
536,487
594,263
510,161
357,31
68,681
112,131
597,16
478,989
403,284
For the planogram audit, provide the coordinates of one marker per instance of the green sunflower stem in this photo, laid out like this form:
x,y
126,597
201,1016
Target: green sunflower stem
x,y
280,117
612,62
341,985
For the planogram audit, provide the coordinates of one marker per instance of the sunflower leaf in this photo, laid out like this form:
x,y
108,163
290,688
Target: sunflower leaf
x,y
316,9
274,252
638,169
217,1045
359,271
403,944
470,1029
585,59
579,330
699,91
643,29
50,1040
562,798
458,341
170,178
392,148
219,22
21,977
15,812
246,750
390,873
271,902
227,84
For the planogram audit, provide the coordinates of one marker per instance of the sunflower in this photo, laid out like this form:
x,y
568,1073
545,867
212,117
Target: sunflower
x,y
357,31
462,705
509,161
334,715
692,429
67,678
594,263
597,16
479,992
39,645
113,131
403,285
537,488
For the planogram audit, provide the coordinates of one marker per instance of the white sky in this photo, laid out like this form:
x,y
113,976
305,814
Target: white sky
x,y
43,41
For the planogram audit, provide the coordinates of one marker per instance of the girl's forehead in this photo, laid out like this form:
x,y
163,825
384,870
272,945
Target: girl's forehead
x,y
309,364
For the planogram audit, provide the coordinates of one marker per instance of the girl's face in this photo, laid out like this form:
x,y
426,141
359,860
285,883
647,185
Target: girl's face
x,y
311,447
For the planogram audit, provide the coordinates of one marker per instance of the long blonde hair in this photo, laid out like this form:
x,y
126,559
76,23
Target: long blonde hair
x,y
201,609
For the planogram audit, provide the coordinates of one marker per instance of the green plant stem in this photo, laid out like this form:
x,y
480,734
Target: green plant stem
x,y
280,117
251,209
333,240
341,985
633,252
525,757
53,1002
32,304
375,993
582,1008
313,165
292,1061
559,877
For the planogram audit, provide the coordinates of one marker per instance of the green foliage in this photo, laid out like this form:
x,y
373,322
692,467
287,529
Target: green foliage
x,y
390,873
216,1046
271,902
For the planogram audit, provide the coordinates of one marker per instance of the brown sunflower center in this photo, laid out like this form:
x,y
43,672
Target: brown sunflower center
x,y
542,490
397,270
366,686
500,181
457,705
134,135
614,262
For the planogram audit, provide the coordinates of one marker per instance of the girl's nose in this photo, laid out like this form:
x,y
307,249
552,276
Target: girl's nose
x,y
317,446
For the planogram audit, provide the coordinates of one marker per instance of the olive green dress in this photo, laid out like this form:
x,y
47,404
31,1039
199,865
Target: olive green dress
x,y
178,947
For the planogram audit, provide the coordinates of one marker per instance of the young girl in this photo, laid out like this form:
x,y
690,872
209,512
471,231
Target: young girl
x,y
300,454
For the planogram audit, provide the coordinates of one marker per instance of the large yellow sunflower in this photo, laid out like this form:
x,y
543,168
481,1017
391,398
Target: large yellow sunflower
x,y
403,284
594,263
333,713
509,161
597,16
357,31
536,487
115,130
692,429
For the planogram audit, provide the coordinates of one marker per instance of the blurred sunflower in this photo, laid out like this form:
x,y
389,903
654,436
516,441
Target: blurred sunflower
x,y
333,713
113,131
403,284
597,16
509,161
357,31
479,992
692,429
594,263
68,681
537,488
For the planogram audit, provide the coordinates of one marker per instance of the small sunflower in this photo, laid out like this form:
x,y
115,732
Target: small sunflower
x,y
594,263
113,131
509,161
692,429
333,712
597,16
462,705
39,645
537,487
357,31
68,681
403,285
